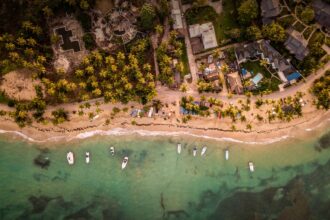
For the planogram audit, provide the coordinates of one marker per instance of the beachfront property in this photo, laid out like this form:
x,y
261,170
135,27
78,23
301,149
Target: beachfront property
x,y
176,15
235,83
202,37
263,50
322,13
270,9
297,44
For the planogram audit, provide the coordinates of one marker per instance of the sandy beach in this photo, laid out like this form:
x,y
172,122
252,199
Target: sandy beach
x,y
121,124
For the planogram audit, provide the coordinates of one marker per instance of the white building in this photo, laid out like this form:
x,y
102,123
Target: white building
x,y
206,32
176,14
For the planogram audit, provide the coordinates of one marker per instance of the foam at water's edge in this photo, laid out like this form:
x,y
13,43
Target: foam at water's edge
x,y
124,132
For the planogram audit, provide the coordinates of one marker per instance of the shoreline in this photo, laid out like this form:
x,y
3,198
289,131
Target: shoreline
x,y
300,127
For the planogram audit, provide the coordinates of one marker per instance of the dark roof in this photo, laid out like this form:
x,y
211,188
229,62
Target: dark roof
x,y
269,9
322,13
66,43
297,44
257,48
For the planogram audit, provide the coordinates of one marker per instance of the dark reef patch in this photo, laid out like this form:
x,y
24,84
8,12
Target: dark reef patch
x,y
39,204
299,199
323,143
42,161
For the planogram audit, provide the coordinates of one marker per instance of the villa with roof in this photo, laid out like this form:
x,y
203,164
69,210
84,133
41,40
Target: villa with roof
x,y
176,14
322,13
297,44
263,50
269,10
202,37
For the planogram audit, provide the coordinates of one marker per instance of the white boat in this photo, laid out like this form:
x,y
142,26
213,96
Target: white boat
x,y
195,151
251,167
179,149
227,154
203,151
124,163
70,157
112,150
87,157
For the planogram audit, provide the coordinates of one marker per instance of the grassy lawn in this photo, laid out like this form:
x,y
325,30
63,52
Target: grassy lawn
x,y
308,32
268,83
255,67
200,15
298,26
222,23
286,21
184,59
225,21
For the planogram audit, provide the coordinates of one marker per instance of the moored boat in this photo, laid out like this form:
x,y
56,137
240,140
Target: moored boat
x,y
124,163
227,154
70,157
195,151
203,151
87,157
251,167
112,150
179,148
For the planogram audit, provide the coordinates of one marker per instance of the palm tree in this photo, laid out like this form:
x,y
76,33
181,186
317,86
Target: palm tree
x,y
264,63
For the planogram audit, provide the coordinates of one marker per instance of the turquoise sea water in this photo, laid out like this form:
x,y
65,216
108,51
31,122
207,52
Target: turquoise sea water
x,y
291,181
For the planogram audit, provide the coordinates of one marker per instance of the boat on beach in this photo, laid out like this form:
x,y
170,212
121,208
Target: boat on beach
x,y
112,150
251,166
227,154
203,151
179,149
195,151
124,163
70,157
87,157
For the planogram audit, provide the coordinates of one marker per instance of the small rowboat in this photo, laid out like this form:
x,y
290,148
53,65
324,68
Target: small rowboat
x,y
70,157
251,167
87,157
124,163
179,148
195,151
203,151
227,154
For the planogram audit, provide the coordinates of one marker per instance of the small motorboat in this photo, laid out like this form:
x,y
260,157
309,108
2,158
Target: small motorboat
x,y
203,151
227,154
124,163
87,157
179,149
195,151
251,167
70,157
112,150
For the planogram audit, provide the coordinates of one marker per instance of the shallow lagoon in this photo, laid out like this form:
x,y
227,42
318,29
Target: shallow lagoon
x,y
291,181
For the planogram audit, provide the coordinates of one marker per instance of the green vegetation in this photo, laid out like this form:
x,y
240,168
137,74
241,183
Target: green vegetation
x,y
274,32
305,14
60,116
268,84
166,53
308,32
286,21
247,11
321,89
147,15
298,26
199,15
